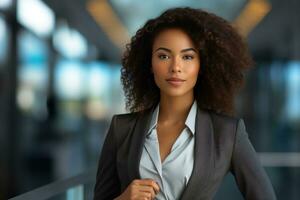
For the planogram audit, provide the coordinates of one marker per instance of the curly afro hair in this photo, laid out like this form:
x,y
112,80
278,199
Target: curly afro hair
x,y
224,57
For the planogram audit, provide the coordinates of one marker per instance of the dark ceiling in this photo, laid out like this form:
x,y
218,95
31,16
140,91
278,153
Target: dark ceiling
x,y
277,36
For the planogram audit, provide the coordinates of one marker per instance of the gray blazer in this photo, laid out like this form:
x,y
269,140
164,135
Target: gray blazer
x,y
221,146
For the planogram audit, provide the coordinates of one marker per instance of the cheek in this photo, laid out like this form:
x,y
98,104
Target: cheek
x,y
194,71
158,67
158,74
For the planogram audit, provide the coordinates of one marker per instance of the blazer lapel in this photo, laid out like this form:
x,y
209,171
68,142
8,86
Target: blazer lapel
x,y
137,143
203,156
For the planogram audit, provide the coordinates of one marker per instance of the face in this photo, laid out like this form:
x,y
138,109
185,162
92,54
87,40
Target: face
x,y
175,63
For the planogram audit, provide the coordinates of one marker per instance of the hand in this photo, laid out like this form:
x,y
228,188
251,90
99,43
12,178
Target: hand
x,y
140,189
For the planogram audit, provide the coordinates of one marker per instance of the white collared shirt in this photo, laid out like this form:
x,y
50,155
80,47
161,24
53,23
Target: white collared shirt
x,y
173,174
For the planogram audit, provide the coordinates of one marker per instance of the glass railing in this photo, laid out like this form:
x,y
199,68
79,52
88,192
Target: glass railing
x,y
81,187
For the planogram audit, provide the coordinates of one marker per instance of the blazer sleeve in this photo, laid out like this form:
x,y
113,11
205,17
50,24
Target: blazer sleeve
x,y
107,185
249,174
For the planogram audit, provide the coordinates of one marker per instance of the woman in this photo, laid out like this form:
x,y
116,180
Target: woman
x,y
180,74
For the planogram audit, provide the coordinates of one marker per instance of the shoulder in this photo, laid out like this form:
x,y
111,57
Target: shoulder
x,y
122,124
123,121
225,131
225,126
129,118
222,119
125,117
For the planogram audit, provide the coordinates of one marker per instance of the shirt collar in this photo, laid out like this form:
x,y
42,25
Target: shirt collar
x,y
189,122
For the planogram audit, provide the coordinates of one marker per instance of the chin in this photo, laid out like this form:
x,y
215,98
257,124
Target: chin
x,y
174,92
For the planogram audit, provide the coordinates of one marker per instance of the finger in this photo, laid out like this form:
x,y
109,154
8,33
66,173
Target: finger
x,y
148,189
156,187
140,187
150,182
144,196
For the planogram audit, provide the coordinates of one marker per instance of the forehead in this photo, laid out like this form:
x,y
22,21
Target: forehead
x,y
173,38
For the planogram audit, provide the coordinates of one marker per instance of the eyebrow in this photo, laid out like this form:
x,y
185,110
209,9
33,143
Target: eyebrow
x,y
183,50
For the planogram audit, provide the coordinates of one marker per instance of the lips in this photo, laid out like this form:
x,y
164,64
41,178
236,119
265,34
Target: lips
x,y
176,82
175,79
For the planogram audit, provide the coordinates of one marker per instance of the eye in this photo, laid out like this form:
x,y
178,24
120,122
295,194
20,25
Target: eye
x,y
188,57
163,56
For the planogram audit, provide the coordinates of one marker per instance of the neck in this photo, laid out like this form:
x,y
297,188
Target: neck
x,y
174,110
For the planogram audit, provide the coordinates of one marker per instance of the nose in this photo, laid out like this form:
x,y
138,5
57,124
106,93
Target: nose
x,y
176,65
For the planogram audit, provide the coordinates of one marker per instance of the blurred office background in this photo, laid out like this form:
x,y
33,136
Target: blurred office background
x,y
60,85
